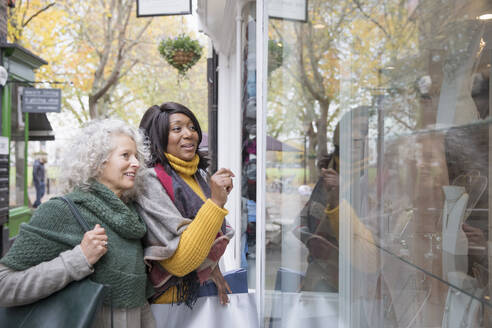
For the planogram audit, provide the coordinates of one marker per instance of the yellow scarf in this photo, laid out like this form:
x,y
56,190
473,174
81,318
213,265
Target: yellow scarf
x,y
186,170
183,167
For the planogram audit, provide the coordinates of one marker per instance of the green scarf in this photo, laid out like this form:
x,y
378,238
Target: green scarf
x,y
53,229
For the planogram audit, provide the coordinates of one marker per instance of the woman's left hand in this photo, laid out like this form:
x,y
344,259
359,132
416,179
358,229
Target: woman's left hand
x,y
222,286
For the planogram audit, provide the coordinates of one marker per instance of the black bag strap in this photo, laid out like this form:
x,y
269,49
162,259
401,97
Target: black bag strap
x,y
83,223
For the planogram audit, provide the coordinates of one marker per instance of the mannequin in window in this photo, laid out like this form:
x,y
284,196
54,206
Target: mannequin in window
x,y
467,160
465,255
456,105
454,241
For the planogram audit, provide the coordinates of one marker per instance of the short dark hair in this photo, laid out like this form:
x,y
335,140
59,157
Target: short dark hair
x,y
155,126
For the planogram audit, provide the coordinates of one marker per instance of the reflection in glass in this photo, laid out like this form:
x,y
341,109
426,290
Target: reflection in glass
x,y
408,84
248,173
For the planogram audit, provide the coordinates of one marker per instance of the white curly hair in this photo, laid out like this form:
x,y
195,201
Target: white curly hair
x,y
86,154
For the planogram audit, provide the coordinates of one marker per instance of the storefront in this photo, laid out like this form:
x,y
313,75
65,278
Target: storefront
x,y
18,128
405,240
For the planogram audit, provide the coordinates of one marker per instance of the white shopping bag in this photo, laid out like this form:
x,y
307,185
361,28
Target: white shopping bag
x,y
209,313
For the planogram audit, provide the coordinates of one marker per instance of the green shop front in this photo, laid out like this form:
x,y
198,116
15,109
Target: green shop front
x,y
18,128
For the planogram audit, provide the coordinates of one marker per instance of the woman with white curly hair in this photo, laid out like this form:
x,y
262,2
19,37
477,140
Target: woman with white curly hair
x,y
99,171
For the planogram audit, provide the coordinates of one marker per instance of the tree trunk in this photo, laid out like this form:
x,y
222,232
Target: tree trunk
x,y
93,107
321,124
114,56
311,160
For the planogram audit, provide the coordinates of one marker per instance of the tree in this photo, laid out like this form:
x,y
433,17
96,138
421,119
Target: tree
x,y
350,43
110,48
24,12
107,59
314,69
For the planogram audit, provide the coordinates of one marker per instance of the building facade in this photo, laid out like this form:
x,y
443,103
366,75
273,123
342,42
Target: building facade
x,y
17,129
360,132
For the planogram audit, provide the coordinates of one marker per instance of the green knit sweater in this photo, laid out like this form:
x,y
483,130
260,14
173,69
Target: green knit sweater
x,y
53,229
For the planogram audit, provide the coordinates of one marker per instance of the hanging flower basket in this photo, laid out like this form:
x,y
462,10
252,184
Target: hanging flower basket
x,y
181,52
182,57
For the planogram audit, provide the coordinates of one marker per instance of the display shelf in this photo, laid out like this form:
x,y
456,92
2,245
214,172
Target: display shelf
x,y
429,264
436,130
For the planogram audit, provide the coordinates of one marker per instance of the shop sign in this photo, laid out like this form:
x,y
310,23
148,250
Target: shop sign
x,y
148,8
295,10
41,100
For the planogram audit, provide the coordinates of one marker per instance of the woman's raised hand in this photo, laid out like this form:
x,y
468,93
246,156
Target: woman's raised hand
x,y
331,178
94,244
221,185
332,184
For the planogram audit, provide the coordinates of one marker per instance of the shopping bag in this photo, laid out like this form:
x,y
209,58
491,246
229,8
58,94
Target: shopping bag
x,y
73,306
237,280
208,312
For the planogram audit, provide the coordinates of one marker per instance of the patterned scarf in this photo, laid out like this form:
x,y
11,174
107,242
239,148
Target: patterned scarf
x,y
188,204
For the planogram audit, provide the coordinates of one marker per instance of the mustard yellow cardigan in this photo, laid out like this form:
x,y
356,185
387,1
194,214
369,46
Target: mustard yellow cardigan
x,y
197,239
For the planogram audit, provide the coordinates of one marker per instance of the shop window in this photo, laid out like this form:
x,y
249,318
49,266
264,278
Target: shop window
x,y
248,188
377,200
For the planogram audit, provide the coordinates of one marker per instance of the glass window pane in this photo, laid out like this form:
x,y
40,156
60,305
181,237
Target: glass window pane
x,y
302,174
248,178
378,165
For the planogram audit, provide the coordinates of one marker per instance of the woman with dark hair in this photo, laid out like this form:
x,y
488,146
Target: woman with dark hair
x,y
187,233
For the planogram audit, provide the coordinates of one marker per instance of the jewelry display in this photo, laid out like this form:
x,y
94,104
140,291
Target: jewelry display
x,y
422,305
462,310
432,236
406,303
475,185
397,236
454,240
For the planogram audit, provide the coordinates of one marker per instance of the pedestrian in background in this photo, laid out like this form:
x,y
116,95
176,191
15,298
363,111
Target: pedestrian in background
x,y
99,171
38,179
183,208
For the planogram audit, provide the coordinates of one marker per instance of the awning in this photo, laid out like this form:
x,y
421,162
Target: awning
x,y
20,62
40,128
213,16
